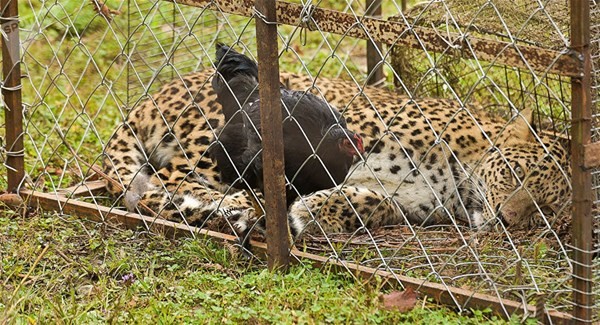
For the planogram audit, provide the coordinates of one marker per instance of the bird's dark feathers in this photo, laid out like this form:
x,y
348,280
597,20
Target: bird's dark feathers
x,y
236,81
226,151
232,64
315,136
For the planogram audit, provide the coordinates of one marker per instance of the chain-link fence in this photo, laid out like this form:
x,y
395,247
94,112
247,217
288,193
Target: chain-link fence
x,y
450,174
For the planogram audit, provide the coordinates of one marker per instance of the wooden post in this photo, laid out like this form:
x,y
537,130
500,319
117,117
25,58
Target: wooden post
x,y
272,135
583,298
374,68
11,92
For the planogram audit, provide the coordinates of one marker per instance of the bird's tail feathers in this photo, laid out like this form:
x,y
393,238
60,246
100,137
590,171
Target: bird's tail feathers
x,y
237,79
231,64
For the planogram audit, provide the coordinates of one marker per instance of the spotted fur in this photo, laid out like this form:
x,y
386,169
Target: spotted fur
x,y
439,163
159,157
427,161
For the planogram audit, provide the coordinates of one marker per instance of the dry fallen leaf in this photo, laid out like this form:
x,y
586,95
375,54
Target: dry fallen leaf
x,y
403,301
104,10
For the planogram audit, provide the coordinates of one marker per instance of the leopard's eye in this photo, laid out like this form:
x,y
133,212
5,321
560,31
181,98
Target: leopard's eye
x,y
519,172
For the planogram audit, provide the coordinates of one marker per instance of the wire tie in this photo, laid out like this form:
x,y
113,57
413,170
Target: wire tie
x,y
262,17
306,22
20,153
17,87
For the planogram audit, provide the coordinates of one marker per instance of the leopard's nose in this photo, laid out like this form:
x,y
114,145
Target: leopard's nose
x,y
500,216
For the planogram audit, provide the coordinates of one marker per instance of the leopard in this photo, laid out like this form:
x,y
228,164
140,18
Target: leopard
x,y
433,161
427,161
156,160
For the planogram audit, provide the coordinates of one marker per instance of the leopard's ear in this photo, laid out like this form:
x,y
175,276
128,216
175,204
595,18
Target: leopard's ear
x,y
522,126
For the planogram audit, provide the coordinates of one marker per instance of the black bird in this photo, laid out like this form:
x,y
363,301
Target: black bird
x,y
318,147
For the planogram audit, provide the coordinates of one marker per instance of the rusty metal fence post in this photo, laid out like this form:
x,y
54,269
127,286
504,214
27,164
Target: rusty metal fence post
x,y
374,66
11,93
272,135
581,181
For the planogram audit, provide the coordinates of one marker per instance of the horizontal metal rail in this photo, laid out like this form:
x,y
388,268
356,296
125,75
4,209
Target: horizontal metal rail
x,y
397,33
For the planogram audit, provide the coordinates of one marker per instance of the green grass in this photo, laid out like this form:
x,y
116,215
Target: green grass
x,y
82,266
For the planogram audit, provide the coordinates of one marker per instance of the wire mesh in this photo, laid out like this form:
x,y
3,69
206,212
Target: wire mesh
x,y
144,69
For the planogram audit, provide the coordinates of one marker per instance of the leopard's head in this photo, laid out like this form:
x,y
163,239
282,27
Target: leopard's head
x,y
524,176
